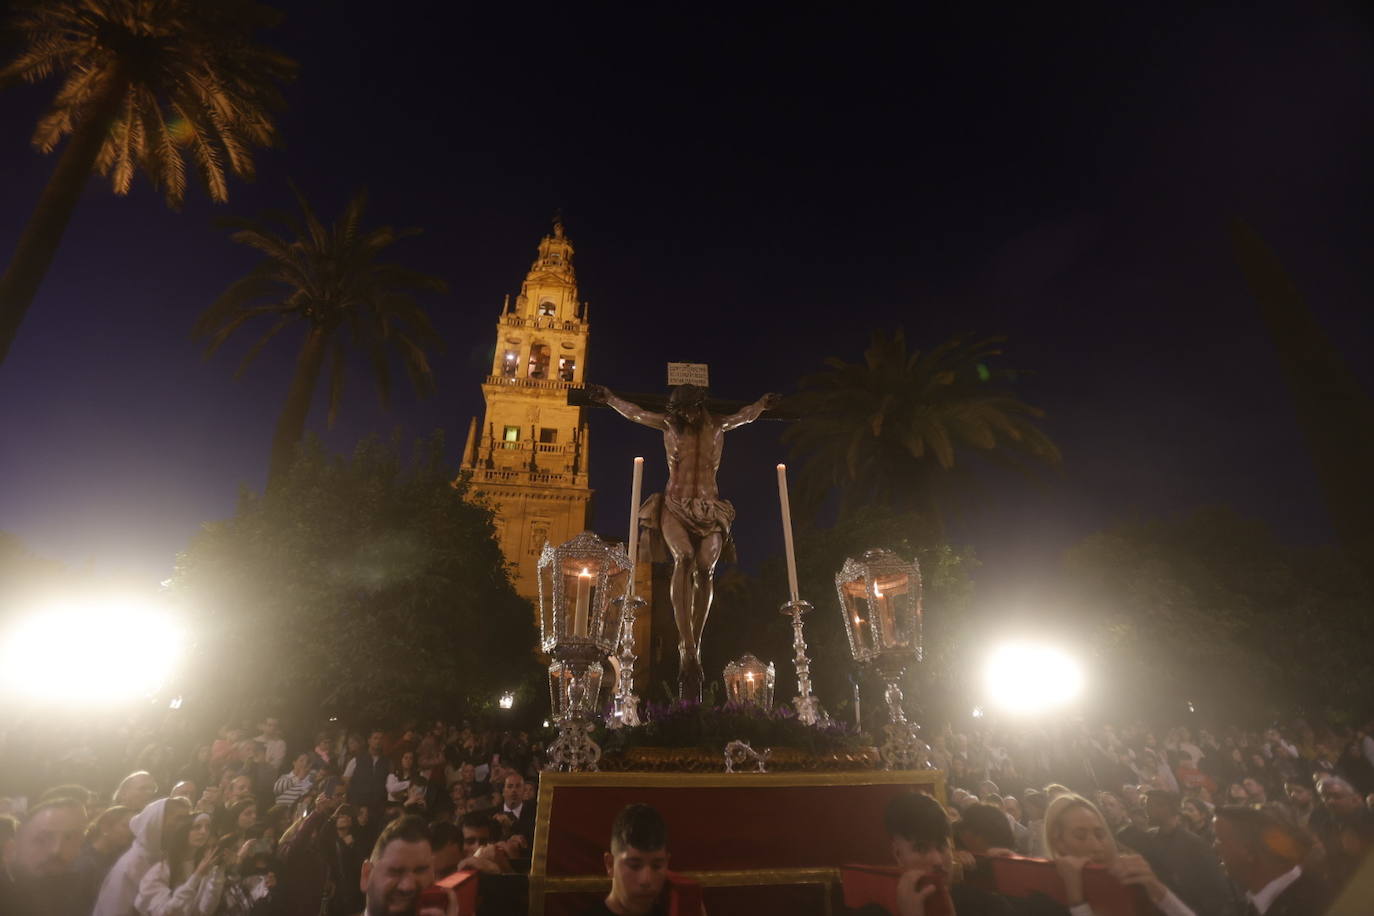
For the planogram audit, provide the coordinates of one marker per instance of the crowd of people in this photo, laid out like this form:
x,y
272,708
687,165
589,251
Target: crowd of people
x,y
248,822
1174,799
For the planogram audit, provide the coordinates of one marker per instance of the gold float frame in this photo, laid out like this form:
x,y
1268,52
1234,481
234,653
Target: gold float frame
x,y
541,883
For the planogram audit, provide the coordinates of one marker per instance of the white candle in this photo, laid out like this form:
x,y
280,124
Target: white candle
x,y
787,532
884,607
634,521
584,596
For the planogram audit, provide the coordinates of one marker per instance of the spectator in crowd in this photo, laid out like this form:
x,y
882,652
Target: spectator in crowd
x,y
1263,856
107,837
136,790
1020,833
447,841
480,849
399,780
1254,790
1302,800
1186,864
240,789
262,774
152,827
239,820
400,868
197,769
184,788
322,756
38,877
366,774
1077,834
274,745
520,812
983,830
343,854
291,786
1033,803
1339,795
637,863
1197,816
189,879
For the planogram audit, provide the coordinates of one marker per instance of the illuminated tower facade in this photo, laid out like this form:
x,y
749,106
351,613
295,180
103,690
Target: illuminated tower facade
x,y
529,455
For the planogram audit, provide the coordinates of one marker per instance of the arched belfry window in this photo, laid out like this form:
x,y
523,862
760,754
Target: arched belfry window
x,y
539,361
547,308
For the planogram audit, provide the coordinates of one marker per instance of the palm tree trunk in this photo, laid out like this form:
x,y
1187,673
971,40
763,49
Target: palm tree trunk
x,y
291,422
1334,411
38,245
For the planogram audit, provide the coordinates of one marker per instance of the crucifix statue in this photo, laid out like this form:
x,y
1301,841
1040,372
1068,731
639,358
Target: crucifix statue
x,y
689,520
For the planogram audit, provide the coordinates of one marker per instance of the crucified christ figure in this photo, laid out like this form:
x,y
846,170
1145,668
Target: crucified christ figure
x,y
689,518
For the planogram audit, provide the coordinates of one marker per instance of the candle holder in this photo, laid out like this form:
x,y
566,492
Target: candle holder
x,y
880,598
749,681
579,626
808,708
625,711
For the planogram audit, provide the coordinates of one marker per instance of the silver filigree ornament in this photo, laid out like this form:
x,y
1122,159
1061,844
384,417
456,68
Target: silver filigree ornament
x,y
738,754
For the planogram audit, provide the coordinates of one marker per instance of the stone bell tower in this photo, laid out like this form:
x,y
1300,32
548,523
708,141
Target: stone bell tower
x,y
529,456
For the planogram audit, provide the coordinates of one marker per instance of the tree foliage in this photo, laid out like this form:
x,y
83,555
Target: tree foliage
x,y
143,82
330,283
1213,608
175,75
363,587
888,430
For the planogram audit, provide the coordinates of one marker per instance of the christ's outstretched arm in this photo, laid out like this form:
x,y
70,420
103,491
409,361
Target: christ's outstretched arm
x,y
629,411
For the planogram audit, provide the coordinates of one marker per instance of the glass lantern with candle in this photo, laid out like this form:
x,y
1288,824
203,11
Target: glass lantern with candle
x,y
880,598
750,681
580,624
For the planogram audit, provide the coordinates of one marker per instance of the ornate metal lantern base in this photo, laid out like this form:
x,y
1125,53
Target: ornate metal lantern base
x,y
575,684
573,750
808,708
903,749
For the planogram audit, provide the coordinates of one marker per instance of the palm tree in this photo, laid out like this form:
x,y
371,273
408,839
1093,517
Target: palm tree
x,y
142,82
329,281
887,430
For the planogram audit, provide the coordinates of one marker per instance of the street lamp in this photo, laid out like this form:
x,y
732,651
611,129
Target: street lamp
x,y
579,625
880,598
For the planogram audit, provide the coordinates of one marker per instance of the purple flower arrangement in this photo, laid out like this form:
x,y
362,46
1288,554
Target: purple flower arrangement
x,y
694,724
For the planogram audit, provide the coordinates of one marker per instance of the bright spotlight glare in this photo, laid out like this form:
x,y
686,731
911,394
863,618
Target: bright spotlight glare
x,y
507,700
1028,678
108,652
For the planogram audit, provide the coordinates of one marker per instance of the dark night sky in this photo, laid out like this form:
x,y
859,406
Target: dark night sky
x,y
755,193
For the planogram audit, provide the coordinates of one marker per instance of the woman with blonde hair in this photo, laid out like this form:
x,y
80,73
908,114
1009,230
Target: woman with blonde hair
x,y
1076,834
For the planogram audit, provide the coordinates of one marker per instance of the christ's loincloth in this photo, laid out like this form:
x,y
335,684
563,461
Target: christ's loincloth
x,y
701,517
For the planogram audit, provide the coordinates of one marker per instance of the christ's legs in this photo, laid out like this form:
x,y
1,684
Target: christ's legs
x,y
682,592
704,576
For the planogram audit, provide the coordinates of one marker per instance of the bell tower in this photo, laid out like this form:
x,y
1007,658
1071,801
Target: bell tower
x,y
529,456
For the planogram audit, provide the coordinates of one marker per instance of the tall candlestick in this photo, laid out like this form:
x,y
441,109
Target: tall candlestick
x,y
787,532
584,595
634,520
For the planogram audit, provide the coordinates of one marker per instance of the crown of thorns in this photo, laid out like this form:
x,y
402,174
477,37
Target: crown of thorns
x,y
687,396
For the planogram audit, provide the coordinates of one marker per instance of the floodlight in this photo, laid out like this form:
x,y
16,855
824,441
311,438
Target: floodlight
x,y
101,652
1032,678
507,700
